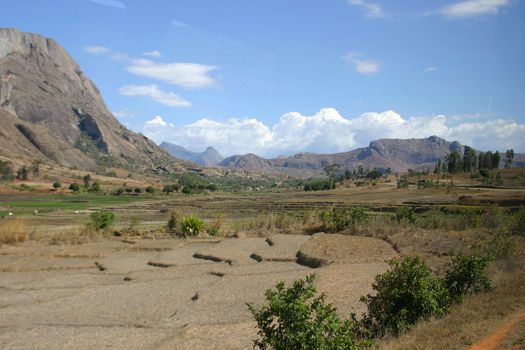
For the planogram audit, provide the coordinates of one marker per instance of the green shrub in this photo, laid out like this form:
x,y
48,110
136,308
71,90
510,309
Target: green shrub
x,y
171,226
169,189
213,231
137,190
407,293
119,191
517,224
102,220
338,219
191,226
405,215
467,276
95,187
74,187
186,190
150,189
57,184
295,318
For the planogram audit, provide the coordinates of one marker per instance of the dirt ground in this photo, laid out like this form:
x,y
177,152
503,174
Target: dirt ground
x,y
166,294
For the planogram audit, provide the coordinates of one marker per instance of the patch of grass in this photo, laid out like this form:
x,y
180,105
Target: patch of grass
x,y
13,231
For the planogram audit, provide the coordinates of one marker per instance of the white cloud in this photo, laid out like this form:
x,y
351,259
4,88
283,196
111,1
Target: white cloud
x,y
363,66
97,50
112,3
185,74
152,91
371,9
328,131
179,24
154,53
473,8
189,75
430,69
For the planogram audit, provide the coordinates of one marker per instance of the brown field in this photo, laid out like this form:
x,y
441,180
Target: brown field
x,y
66,287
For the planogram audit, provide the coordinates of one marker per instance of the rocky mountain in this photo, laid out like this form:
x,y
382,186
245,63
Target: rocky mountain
x,y
397,154
50,110
209,157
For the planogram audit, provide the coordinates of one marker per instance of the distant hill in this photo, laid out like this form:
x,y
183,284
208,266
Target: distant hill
x,y
207,158
397,154
50,110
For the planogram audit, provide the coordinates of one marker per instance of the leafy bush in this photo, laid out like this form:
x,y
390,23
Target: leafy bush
x,y
74,187
137,190
101,220
319,185
6,171
57,184
95,187
338,219
150,189
169,189
405,214
403,182
295,318
467,276
405,294
119,191
191,226
186,190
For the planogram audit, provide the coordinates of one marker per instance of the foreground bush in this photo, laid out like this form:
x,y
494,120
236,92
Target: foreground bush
x,y
407,293
191,226
101,220
467,276
295,318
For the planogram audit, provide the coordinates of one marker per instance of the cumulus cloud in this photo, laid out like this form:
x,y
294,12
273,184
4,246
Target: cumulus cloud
x,y
361,65
154,53
371,9
111,3
167,98
189,75
473,8
328,131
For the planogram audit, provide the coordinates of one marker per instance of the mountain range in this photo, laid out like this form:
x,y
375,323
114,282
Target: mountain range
x,y
50,110
207,158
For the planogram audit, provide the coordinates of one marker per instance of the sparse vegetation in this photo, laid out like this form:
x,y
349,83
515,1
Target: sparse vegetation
x,y
191,226
101,220
12,231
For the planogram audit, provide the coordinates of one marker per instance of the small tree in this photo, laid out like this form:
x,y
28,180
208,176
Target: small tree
x,y
6,170
102,220
22,173
168,189
35,167
331,172
297,318
509,158
467,276
95,187
74,187
150,189
137,190
56,184
86,179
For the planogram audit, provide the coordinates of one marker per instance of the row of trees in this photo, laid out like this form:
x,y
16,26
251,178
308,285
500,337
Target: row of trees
x,y
470,160
7,172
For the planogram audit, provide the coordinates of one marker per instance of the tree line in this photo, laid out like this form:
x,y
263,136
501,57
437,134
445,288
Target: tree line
x,y
470,160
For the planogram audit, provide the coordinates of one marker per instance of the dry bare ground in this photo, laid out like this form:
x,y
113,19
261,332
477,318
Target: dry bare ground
x,y
166,294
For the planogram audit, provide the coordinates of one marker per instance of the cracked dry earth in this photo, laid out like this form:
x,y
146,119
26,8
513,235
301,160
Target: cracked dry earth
x,y
169,294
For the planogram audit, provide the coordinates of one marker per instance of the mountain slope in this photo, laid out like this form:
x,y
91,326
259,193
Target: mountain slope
x,y
207,158
397,154
50,110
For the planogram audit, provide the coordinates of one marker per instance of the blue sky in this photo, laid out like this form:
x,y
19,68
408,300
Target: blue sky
x,y
284,76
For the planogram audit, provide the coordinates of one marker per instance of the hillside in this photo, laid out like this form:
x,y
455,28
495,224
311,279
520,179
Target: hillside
x,y
207,158
51,111
397,154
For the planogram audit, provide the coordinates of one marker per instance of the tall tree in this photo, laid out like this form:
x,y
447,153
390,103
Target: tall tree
x,y
454,162
469,159
495,160
509,157
331,172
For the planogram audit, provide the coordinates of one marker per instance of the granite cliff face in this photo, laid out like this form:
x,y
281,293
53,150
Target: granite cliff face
x,y
51,111
209,157
397,154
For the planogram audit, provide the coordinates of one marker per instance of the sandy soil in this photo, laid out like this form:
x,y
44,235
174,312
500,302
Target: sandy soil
x,y
165,294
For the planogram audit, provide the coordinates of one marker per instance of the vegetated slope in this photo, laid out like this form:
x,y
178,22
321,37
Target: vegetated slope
x,y
51,111
207,158
397,154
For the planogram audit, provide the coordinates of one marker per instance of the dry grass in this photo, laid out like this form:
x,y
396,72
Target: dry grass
x,y
13,231
477,317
